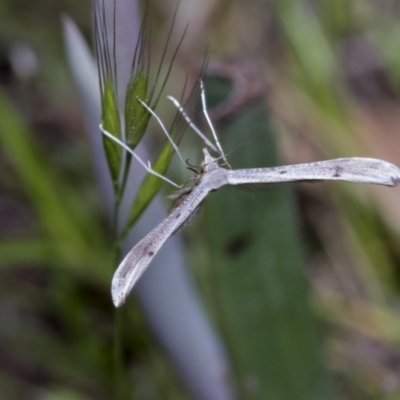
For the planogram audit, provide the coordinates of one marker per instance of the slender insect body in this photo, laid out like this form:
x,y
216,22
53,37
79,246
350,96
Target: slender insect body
x,y
212,177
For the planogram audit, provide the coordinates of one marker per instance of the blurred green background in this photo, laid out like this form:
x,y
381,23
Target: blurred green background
x,y
301,282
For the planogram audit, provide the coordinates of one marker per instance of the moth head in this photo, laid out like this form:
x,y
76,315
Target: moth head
x,y
209,163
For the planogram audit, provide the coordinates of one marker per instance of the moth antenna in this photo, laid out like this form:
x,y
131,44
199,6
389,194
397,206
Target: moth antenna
x,y
162,127
148,167
240,144
204,105
191,124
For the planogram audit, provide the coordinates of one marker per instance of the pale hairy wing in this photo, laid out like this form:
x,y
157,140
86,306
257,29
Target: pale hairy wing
x,y
137,260
361,170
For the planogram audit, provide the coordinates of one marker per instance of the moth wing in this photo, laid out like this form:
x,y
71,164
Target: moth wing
x,y
360,170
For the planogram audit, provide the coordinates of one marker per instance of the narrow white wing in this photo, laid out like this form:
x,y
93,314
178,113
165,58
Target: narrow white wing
x,y
137,260
361,170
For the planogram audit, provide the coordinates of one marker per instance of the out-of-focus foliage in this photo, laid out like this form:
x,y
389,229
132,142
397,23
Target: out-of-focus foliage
x,y
332,69
256,276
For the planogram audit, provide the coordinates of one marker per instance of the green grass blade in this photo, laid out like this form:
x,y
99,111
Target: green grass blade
x,y
32,251
38,181
256,270
313,65
136,116
111,123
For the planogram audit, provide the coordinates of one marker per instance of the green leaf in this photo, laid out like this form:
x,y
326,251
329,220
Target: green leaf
x,y
38,179
45,251
62,393
313,60
136,116
32,251
149,187
111,123
255,270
